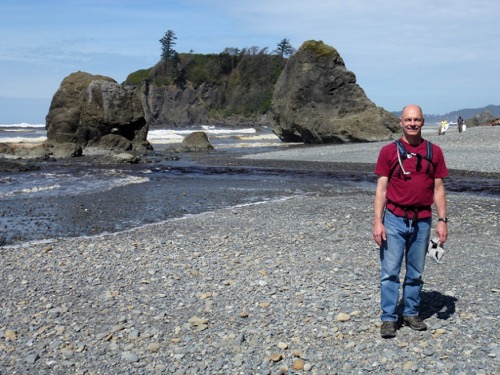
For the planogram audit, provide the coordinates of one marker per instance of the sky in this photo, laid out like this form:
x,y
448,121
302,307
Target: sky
x,y
443,55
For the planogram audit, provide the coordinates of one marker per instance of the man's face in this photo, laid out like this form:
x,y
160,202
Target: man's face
x,y
412,121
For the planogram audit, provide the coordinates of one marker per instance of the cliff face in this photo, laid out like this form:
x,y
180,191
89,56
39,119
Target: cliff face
x,y
174,106
209,89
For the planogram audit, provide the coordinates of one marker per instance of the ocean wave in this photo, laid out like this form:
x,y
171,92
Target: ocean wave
x,y
100,183
177,135
23,139
165,136
213,130
22,125
30,190
272,137
22,133
53,184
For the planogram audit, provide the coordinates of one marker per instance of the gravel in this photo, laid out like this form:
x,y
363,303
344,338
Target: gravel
x,y
280,286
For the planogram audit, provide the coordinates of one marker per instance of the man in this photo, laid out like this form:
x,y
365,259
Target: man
x,y
408,184
460,124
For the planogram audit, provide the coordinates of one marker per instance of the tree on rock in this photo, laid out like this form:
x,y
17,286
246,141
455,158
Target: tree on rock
x,y
167,46
284,48
168,66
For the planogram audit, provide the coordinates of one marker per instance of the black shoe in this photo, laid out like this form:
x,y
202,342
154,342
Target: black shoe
x,y
415,322
388,329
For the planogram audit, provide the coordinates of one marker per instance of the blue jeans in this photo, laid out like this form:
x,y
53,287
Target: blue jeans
x,y
407,239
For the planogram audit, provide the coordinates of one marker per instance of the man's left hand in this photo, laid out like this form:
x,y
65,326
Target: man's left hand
x,y
442,231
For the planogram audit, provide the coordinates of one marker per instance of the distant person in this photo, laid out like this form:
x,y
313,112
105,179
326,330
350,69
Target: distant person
x,y
443,127
460,123
410,179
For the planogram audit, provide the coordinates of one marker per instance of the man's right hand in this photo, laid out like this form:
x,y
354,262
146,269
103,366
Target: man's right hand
x,y
379,233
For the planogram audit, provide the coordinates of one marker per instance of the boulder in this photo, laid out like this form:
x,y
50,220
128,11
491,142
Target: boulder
x,y
65,150
94,110
41,151
197,141
16,166
119,158
193,142
317,100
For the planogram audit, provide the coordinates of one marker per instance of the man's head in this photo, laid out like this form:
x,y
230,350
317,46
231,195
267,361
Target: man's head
x,y
412,120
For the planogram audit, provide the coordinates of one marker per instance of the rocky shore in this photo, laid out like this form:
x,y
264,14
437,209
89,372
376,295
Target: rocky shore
x,y
282,286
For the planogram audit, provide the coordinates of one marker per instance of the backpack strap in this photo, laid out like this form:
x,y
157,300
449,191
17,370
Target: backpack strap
x,y
401,148
429,157
429,150
403,154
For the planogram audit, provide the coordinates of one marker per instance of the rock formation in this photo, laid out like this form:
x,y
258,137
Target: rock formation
x,y
484,118
91,110
316,100
197,141
193,142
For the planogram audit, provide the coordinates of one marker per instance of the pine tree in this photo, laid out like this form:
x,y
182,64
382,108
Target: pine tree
x,y
167,46
284,48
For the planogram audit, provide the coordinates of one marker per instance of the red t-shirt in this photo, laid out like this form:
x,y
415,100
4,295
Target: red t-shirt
x,y
413,190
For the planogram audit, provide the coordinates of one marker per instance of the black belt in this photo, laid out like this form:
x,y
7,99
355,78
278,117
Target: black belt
x,y
410,209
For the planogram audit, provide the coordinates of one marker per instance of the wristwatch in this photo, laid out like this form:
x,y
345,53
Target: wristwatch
x,y
443,219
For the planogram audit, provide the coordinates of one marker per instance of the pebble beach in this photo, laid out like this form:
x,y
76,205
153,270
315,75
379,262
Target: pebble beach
x,y
283,286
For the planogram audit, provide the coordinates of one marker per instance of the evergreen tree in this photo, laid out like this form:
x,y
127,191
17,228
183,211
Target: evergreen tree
x,y
284,48
167,46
